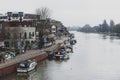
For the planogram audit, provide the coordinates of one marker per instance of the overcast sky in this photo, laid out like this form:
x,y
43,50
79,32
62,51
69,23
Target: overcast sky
x,y
70,12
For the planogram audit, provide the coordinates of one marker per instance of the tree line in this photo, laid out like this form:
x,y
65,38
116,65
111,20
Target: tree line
x,y
102,28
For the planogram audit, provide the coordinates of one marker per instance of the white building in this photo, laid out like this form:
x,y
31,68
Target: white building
x,y
23,35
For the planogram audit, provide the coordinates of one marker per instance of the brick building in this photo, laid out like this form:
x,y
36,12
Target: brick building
x,y
14,20
29,24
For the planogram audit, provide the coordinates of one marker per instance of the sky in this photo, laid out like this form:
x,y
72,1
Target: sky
x,y
69,12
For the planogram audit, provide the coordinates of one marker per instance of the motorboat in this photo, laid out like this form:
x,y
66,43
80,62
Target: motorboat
x,y
27,65
73,41
61,55
68,49
64,57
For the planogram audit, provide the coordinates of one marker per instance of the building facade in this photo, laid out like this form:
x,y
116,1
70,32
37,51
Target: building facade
x,y
19,37
19,29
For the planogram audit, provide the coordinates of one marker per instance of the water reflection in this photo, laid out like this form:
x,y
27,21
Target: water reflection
x,y
104,36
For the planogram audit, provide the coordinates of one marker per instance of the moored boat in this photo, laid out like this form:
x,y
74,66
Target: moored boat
x,y
73,41
27,65
51,55
61,55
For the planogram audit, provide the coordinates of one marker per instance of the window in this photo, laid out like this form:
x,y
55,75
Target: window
x,y
25,35
6,44
30,35
8,35
12,43
0,26
54,29
33,34
37,34
20,35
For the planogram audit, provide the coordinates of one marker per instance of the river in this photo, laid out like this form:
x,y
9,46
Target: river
x,y
95,57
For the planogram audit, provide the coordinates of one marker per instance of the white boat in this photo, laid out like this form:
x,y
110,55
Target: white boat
x,y
68,49
26,66
61,55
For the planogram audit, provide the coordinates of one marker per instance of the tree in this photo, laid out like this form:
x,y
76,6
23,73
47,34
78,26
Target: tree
x,y
112,24
105,27
43,15
116,28
87,28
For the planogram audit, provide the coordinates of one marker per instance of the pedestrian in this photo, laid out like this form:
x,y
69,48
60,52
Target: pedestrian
x,y
25,47
23,51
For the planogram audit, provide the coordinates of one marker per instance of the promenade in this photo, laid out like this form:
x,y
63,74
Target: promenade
x,y
32,53
58,42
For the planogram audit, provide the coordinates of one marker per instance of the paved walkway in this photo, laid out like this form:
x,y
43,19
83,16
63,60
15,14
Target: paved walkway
x,y
31,53
57,44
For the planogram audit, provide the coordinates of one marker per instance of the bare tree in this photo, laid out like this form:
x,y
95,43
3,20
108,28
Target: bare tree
x,y
43,13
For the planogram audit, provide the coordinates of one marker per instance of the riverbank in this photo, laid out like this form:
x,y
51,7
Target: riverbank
x,y
10,65
106,33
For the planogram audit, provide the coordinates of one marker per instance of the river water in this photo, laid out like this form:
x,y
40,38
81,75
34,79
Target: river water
x,y
95,57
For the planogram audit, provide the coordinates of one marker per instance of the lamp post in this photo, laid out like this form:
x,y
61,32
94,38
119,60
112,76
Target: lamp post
x,y
20,44
19,41
9,14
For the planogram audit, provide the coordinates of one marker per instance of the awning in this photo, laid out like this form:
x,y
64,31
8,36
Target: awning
x,y
51,36
47,31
